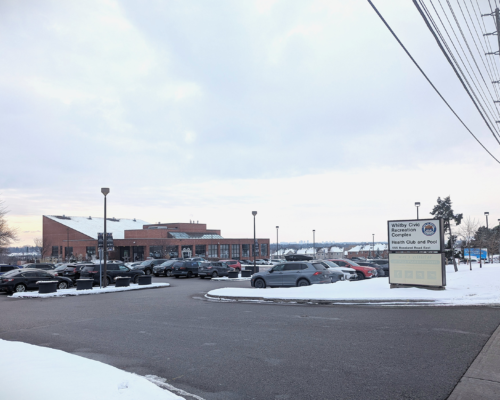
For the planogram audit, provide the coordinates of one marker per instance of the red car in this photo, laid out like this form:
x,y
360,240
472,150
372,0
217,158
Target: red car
x,y
363,272
232,263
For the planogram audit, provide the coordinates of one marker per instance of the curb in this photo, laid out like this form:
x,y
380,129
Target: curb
x,y
315,301
87,292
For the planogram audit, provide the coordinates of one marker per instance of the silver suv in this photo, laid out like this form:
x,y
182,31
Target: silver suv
x,y
292,274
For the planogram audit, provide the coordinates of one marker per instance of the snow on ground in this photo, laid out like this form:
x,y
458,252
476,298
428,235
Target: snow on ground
x,y
465,287
34,372
95,290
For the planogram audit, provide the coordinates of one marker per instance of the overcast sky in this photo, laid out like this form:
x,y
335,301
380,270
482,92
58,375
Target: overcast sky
x,y
307,111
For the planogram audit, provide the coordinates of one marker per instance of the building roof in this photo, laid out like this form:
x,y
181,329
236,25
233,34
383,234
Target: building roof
x,y
91,226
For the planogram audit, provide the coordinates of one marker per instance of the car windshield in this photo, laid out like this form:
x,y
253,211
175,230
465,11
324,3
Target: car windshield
x,y
331,264
354,264
146,263
11,273
60,268
167,263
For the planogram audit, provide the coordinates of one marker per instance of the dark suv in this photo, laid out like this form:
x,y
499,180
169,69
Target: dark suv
x,y
214,269
185,268
44,266
72,271
164,268
6,268
113,271
148,265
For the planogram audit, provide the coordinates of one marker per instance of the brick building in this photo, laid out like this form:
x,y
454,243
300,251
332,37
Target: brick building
x,y
76,237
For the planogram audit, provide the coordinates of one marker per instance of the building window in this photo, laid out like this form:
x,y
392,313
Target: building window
x,y
212,251
155,251
201,250
172,251
90,251
68,252
187,251
55,251
255,250
235,250
224,251
263,249
245,248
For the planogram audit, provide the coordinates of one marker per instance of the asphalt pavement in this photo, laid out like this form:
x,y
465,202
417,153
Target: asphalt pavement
x,y
226,350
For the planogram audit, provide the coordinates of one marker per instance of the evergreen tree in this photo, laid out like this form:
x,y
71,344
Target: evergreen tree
x,y
443,210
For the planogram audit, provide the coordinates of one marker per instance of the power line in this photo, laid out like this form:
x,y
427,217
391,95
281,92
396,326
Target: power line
x,y
428,80
453,66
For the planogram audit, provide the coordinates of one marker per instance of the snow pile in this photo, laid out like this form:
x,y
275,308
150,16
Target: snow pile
x,y
33,373
95,290
225,278
465,287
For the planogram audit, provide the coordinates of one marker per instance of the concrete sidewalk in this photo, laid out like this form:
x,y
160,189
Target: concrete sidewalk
x,y
482,379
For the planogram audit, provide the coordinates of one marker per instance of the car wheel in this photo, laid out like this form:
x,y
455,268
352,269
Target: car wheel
x,y
20,288
190,274
260,284
215,274
168,273
147,272
107,282
136,279
360,275
302,282
62,285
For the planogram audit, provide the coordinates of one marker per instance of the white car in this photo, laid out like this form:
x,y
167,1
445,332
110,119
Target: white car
x,y
349,273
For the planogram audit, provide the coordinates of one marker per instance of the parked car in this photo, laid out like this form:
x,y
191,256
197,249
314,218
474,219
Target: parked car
x,y
6,268
164,268
383,262
200,259
298,257
362,272
112,272
213,269
292,274
131,265
233,264
148,265
185,268
21,280
44,266
358,259
73,271
380,270
349,273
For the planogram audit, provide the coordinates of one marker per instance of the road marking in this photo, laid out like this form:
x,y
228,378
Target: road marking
x,y
161,383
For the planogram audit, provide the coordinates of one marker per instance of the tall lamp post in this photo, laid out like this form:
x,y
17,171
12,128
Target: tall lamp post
x,y
486,213
373,246
277,244
254,213
105,192
314,243
417,204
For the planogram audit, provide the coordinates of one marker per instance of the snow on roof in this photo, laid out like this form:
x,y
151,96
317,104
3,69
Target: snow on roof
x,y
355,249
369,247
309,250
334,249
91,227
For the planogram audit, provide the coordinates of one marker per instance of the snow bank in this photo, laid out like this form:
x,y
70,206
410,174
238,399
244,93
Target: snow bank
x,y
33,371
465,287
95,290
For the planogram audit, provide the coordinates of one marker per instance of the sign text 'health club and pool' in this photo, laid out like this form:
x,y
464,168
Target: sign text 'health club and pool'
x,y
415,235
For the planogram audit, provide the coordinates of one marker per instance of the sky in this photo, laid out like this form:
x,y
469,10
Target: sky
x,y
307,112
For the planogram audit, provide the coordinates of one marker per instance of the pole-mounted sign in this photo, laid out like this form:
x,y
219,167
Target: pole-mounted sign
x,y
109,242
416,252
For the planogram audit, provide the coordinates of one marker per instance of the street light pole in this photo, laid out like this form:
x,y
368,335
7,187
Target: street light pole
x,y
417,204
277,244
254,213
373,247
105,192
486,213
314,243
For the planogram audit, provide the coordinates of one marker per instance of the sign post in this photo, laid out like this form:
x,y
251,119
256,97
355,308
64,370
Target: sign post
x,y
416,253
100,245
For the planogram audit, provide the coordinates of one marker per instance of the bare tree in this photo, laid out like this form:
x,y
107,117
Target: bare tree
x,y
42,247
468,232
7,234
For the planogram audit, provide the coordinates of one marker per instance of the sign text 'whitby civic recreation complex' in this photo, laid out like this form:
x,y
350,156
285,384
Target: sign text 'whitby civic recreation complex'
x,y
415,235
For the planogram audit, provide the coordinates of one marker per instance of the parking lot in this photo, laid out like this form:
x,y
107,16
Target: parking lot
x,y
221,350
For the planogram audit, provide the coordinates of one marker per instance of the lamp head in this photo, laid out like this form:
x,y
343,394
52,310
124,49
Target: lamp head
x,y
104,191
486,213
254,213
277,227
417,204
